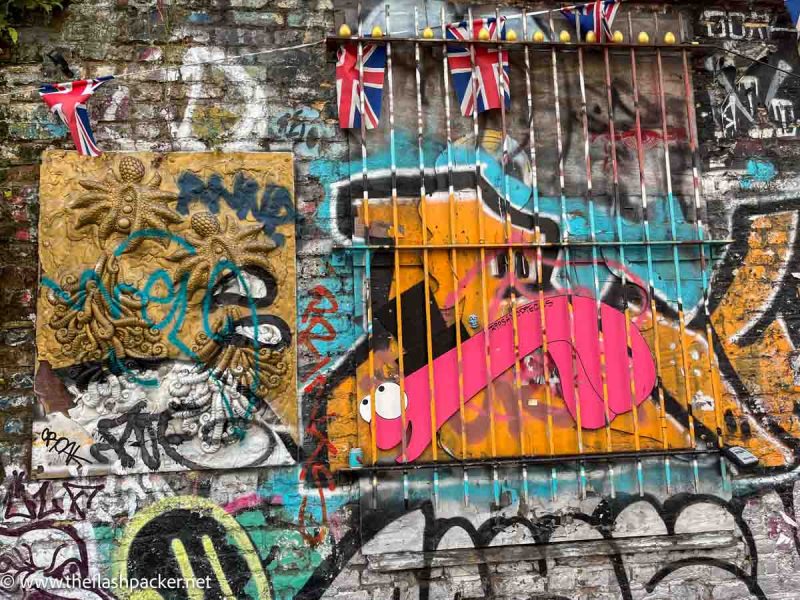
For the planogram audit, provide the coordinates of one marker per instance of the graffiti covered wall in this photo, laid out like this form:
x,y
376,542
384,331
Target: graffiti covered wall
x,y
166,324
215,353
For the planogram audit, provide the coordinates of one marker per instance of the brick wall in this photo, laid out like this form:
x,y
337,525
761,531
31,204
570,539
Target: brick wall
x,y
702,536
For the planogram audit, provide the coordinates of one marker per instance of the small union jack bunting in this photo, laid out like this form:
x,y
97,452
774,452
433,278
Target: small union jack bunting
x,y
490,78
595,16
68,101
348,84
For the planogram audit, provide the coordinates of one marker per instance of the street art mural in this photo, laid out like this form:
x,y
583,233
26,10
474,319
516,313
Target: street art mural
x,y
441,227
428,442
754,91
677,302
47,540
166,330
248,543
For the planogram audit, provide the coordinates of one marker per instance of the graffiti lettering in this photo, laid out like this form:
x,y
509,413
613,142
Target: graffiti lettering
x,y
274,209
62,445
317,328
293,126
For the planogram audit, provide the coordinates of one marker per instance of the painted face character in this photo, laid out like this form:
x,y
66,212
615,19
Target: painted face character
x,y
577,358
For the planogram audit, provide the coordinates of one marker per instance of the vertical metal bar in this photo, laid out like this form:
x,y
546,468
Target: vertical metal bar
x,y
368,258
482,250
593,239
564,226
647,240
396,232
363,126
539,239
423,198
452,230
507,238
646,231
670,197
700,231
612,134
542,306
700,236
454,256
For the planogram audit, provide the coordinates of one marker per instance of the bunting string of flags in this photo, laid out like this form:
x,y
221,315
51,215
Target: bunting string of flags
x,y
348,84
595,19
480,75
68,101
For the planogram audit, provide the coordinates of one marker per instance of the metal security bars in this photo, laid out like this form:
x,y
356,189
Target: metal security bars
x,y
533,279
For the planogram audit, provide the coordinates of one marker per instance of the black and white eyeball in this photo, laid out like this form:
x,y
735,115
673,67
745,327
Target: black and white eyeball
x,y
387,402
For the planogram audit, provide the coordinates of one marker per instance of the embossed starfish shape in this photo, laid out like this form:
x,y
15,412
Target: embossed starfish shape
x,y
237,243
124,203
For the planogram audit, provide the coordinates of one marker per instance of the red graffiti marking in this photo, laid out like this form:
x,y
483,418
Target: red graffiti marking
x,y
317,328
650,137
320,473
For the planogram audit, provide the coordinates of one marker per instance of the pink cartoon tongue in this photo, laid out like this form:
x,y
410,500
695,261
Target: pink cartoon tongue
x,y
586,374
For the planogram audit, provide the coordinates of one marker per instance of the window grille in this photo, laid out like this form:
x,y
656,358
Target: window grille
x,y
533,280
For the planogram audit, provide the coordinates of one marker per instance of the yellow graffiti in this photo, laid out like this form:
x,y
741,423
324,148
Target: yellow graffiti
x,y
201,505
216,565
185,565
147,594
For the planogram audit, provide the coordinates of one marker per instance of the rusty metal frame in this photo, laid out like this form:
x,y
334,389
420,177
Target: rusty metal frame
x,y
565,244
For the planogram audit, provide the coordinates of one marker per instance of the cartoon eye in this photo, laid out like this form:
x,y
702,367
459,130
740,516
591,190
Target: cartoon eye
x,y
387,402
364,409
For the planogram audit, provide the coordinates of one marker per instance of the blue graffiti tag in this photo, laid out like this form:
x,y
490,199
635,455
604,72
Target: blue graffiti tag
x,y
274,209
161,290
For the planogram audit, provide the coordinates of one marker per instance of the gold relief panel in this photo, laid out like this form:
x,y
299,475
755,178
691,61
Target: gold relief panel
x,y
166,313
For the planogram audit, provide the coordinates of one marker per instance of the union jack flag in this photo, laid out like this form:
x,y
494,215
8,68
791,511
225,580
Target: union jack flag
x,y
68,101
490,78
594,16
348,85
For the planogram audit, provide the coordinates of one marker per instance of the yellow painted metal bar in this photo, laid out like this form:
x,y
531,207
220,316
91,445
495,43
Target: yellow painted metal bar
x,y
595,277
646,231
396,235
700,233
482,240
564,226
368,256
510,260
423,204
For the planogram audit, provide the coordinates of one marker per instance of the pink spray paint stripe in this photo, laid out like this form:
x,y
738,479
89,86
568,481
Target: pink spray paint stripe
x,y
501,344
